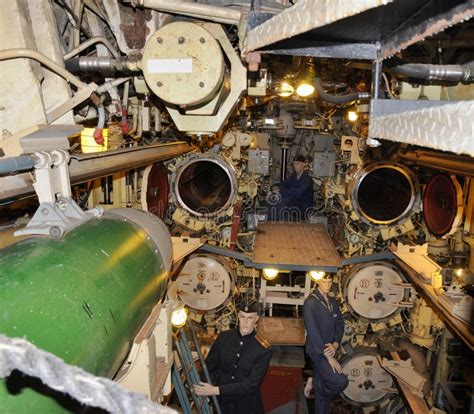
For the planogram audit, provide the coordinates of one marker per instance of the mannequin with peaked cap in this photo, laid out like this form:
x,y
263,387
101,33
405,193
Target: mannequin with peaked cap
x,y
295,195
237,363
324,326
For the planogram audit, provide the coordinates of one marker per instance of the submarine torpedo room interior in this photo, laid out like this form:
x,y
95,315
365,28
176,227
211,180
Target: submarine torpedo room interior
x,y
168,168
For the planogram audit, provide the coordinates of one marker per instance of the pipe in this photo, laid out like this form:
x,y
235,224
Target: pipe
x,y
45,61
201,11
452,73
90,42
338,99
83,298
13,165
87,167
376,78
100,64
78,9
456,164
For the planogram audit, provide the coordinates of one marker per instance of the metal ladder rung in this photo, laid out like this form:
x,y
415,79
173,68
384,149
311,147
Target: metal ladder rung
x,y
191,375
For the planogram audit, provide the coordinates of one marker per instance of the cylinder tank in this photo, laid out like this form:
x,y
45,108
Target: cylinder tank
x,y
84,297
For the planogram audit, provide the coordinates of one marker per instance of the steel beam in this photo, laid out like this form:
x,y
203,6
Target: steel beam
x,y
86,167
367,51
408,34
442,125
304,16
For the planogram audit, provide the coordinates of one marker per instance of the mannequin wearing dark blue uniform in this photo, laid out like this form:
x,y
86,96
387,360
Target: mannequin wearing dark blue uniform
x,y
296,194
237,363
324,328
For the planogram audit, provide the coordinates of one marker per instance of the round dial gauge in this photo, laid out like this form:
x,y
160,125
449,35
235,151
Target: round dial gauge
x,y
368,381
373,290
205,283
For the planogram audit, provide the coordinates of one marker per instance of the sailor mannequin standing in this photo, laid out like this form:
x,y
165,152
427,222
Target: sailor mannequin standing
x,y
324,327
237,363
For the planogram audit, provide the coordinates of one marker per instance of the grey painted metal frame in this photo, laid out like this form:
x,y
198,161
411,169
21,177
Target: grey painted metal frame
x,y
304,16
441,125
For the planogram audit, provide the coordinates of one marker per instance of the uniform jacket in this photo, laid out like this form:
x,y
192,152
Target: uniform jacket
x,y
323,324
237,364
300,191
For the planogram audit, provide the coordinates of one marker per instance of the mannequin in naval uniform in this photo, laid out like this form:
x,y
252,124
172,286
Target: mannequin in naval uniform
x,y
324,326
237,363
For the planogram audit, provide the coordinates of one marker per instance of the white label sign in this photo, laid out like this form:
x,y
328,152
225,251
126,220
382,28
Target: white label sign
x,y
170,65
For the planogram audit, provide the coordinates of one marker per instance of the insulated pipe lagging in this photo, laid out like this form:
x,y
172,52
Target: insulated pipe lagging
x,y
224,15
13,165
338,99
452,73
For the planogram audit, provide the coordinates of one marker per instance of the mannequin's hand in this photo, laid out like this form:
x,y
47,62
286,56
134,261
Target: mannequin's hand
x,y
308,387
205,389
336,367
330,349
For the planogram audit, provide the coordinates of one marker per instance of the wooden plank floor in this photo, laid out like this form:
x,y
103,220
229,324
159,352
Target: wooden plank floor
x,y
300,244
282,331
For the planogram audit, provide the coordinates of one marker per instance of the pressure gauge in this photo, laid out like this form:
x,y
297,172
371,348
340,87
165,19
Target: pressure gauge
x,y
368,381
228,140
373,290
205,283
244,140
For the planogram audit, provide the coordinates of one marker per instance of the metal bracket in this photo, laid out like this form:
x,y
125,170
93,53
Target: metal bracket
x,y
58,212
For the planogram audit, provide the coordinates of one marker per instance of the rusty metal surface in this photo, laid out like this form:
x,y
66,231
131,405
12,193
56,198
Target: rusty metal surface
x,y
304,16
409,32
295,244
444,126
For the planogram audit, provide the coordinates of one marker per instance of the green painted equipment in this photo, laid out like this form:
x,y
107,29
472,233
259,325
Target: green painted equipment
x,y
84,297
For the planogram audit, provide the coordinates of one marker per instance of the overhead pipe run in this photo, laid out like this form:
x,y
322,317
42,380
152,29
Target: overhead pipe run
x,y
451,73
201,11
13,165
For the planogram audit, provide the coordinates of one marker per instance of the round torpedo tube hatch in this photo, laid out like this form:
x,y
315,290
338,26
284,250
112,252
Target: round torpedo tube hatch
x,y
442,204
83,298
372,291
369,383
385,193
205,186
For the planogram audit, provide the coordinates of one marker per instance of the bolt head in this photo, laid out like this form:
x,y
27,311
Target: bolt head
x,y
159,40
201,84
181,40
159,84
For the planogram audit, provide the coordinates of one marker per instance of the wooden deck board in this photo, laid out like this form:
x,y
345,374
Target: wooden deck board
x,y
300,244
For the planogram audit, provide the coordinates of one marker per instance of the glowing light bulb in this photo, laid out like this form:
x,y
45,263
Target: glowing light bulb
x,y
270,274
352,116
305,89
179,317
316,275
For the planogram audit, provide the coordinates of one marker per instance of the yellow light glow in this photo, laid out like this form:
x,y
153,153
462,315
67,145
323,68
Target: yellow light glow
x,y
304,89
270,274
352,116
179,317
285,89
316,275
458,272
